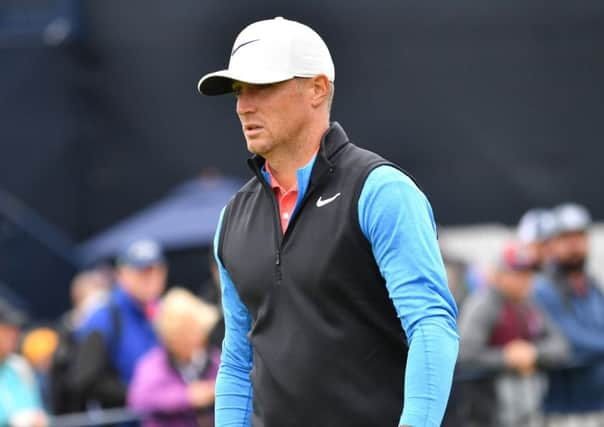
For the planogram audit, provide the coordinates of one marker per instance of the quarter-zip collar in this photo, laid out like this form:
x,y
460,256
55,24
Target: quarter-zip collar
x,y
302,180
332,141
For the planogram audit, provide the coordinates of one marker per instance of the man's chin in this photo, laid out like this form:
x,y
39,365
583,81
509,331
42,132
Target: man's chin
x,y
257,147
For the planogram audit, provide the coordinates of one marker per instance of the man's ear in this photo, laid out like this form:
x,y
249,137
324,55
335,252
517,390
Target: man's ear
x,y
320,90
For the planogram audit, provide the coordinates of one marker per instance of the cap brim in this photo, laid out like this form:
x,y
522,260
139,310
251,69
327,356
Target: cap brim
x,y
221,82
571,229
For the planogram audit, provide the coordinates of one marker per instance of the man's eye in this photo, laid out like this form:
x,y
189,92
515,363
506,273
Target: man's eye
x,y
252,89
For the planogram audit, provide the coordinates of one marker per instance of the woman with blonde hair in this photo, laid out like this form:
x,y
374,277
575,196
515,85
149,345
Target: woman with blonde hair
x,y
173,385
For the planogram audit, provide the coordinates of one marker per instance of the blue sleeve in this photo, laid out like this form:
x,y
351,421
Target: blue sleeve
x,y
233,385
397,219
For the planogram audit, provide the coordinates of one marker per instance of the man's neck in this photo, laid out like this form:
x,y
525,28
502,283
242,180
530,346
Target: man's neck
x,y
284,163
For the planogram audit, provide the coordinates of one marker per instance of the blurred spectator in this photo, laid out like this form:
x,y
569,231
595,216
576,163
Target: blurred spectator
x,y
20,401
534,231
38,347
575,301
89,291
175,382
119,333
506,339
210,292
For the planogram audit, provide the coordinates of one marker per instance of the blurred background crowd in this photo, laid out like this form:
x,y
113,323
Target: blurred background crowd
x,y
531,350
113,172
532,329
127,343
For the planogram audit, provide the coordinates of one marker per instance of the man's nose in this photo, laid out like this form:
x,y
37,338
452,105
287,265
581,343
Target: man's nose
x,y
245,103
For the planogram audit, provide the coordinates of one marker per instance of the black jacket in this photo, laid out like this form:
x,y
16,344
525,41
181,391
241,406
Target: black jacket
x,y
328,348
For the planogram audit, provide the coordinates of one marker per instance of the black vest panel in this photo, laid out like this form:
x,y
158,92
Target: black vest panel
x,y
328,348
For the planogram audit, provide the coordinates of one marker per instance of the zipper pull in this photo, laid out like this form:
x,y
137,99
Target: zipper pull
x,y
278,258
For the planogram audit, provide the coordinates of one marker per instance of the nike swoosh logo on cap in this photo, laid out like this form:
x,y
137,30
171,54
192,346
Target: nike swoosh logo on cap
x,y
321,202
241,45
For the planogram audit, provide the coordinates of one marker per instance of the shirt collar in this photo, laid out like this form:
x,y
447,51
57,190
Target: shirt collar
x,y
302,176
275,185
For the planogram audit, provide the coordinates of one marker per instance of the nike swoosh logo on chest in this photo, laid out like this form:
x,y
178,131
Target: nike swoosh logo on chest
x,y
322,202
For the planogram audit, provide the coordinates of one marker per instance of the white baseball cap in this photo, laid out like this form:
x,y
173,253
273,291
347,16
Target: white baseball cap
x,y
571,217
536,225
271,51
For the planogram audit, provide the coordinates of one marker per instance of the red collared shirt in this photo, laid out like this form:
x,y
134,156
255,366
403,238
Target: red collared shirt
x,y
285,199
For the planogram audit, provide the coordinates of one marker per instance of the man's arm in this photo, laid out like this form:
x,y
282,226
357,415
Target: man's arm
x,y
397,220
553,350
587,341
233,386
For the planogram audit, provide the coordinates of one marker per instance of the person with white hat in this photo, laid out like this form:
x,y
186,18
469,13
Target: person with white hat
x,y
337,311
575,302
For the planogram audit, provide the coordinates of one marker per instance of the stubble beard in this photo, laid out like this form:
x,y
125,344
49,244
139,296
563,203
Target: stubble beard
x,y
573,265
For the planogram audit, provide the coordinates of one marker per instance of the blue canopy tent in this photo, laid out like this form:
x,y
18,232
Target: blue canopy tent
x,y
184,219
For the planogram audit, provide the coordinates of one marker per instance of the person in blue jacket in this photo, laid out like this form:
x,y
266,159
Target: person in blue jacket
x,y
337,311
575,302
115,337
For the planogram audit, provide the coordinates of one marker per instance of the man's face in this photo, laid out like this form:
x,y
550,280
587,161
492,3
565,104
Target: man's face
x,y
569,250
272,114
145,285
537,251
515,285
184,341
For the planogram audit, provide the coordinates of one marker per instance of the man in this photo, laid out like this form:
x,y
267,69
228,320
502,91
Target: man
x,y
574,300
20,399
120,332
505,340
319,253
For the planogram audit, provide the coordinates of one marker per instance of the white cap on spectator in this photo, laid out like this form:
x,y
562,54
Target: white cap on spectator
x,y
571,217
536,225
271,51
